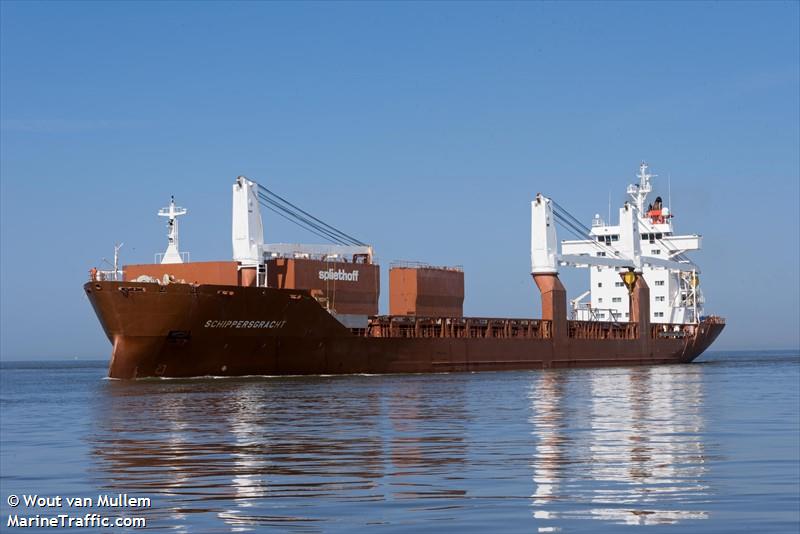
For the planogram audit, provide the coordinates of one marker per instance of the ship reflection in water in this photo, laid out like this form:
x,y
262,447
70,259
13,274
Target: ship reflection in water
x,y
527,450
631,454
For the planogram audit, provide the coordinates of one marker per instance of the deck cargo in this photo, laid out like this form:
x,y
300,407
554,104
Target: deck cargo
x,y
199,272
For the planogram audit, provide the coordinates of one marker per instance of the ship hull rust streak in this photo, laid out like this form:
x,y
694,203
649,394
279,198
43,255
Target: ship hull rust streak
x,y
183,330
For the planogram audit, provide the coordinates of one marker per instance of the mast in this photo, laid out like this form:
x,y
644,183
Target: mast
x,y
639,192
172,212
117,272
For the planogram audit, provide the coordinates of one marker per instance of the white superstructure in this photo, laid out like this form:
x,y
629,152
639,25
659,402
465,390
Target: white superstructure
x,y
675,296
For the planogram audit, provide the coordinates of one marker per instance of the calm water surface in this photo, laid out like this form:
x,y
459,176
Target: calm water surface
x,y
708,447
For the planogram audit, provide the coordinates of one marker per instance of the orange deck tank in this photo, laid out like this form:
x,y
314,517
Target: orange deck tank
x,y
426,291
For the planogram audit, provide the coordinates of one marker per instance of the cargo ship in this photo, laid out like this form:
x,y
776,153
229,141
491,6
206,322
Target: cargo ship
x,y
301,309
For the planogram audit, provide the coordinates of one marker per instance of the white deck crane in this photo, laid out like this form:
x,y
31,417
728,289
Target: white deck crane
x,y
249,248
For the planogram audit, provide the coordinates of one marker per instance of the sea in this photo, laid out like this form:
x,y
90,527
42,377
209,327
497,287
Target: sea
x,y
712,446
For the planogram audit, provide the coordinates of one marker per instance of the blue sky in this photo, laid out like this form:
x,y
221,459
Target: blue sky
x,y
422,128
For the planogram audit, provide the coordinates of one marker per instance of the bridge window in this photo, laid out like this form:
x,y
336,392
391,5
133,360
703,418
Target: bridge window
x,y
607,239
659,314
659,282
599,284
656,251
601,253
616,299
660,299
618,284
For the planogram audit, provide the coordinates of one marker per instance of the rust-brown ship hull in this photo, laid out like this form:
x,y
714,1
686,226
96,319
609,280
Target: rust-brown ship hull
x,y
182,330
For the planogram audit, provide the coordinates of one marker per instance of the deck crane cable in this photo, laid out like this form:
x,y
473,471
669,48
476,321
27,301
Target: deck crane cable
x,y
568,215
567,225
578,230
680,258
578,234
301,221
277,212
582,229
342,236
331,234
304,222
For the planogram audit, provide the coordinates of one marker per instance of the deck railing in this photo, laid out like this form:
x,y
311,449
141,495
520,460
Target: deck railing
x,y
456,327
402,326
674,331
602,330
421,265
98,275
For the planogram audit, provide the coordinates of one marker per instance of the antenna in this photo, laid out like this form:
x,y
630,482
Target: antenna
x,y
116,273
116,259
669,191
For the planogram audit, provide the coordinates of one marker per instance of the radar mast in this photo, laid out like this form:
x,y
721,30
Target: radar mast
x,y
172,212
639,192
